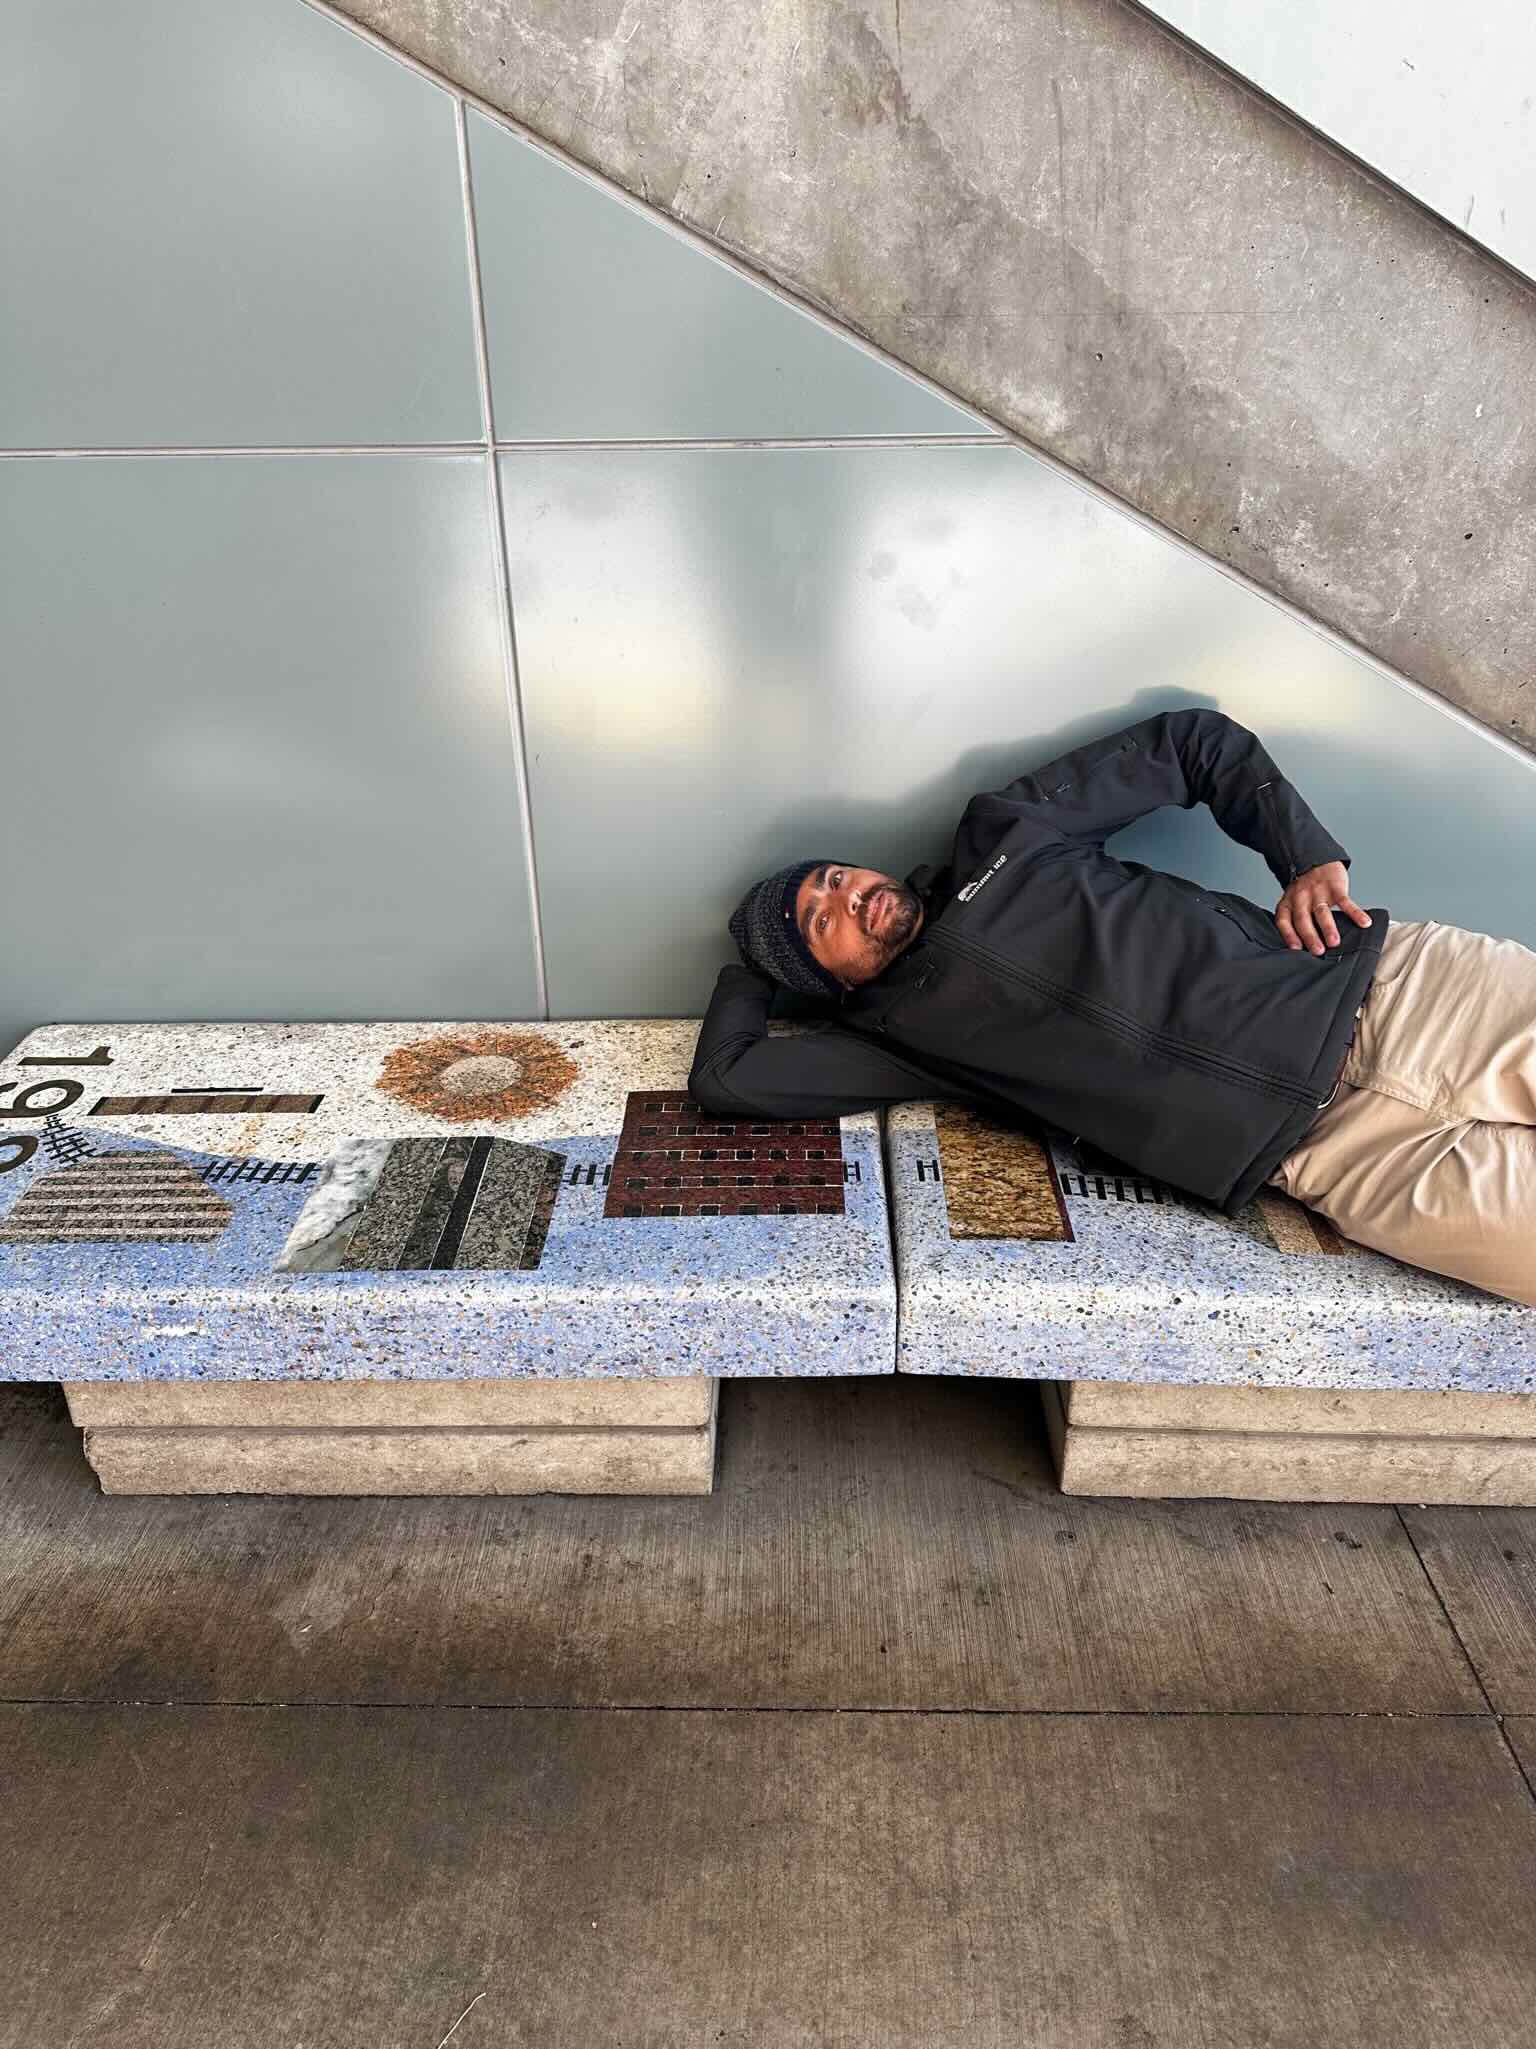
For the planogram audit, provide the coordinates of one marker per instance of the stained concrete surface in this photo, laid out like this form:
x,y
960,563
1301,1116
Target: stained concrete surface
x,y
879,1543
1521,1734
1091,232
1483,1562
346,1876
765,1769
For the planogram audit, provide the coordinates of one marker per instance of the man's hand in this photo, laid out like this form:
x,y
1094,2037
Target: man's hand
x,y
1304,914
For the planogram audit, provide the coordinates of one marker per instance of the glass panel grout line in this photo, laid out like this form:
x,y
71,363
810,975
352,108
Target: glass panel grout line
x,y
502,568
619,446
1005,436
750,441
1004,439
682,231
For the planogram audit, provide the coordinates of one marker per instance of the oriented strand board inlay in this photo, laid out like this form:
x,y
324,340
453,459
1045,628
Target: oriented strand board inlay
x,y
675,1160
999,1182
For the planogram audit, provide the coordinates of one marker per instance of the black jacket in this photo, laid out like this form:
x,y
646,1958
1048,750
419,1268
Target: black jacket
x,y
1168,1024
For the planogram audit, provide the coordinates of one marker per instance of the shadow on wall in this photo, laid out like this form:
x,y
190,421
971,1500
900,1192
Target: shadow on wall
x,y
734,660
900,835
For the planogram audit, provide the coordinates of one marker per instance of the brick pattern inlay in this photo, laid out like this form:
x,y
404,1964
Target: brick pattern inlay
x,y
676,1160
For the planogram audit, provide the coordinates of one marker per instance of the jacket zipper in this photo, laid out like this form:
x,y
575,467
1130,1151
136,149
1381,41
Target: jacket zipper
x,y
1345,1061
919,981
1134,1035
1232,919
1273,816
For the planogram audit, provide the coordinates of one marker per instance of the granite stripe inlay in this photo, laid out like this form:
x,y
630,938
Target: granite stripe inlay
x,y
470,1178
436,1206
543,1212
381,1237
498,1230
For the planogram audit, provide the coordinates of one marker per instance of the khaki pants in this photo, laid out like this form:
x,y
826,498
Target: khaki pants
x,y
1428,1151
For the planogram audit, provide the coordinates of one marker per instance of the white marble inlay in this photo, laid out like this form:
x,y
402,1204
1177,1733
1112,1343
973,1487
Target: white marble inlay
x,y
347,1181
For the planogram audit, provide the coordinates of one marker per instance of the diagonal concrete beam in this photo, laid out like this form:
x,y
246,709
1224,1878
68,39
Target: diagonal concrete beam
x,y
1091,232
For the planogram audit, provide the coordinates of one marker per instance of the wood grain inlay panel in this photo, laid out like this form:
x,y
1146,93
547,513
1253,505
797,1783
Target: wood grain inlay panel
x,y
999,1181
1294,1228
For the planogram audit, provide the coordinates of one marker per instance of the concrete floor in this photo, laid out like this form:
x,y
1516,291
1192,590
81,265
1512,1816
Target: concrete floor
x,y
883,1743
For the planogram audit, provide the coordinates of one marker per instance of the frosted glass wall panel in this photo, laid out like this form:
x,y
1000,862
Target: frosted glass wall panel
x,y
604,325
732,658
258,756
228,224
1439,99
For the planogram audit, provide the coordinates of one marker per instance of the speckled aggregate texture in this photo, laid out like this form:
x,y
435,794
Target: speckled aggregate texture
x,y
633,1297
1156,1286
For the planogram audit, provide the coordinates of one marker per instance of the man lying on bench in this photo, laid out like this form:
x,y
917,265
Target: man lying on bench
x,y
1383,1073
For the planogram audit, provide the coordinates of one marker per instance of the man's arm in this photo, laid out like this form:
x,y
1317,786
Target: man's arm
x,y
1184,758
739,1071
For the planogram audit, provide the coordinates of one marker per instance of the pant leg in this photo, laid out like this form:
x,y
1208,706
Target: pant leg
x,y
1449,1023
1458,1198
1428,1150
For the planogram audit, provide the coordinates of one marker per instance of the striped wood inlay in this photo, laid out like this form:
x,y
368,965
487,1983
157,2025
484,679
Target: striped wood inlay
x,y
1294,1228
121,1197
221,1103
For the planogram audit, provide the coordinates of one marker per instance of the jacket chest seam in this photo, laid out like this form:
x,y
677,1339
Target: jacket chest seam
x,y
1124,1027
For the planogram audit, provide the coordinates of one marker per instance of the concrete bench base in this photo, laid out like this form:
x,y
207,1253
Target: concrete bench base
x,y
1292,1444
399,1437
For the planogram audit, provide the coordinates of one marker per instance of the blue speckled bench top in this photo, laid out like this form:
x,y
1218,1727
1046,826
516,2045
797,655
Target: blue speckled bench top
x,y
265,1201
1018,1255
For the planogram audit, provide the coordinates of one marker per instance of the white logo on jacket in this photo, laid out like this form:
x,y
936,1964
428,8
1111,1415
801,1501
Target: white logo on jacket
x,y
981,881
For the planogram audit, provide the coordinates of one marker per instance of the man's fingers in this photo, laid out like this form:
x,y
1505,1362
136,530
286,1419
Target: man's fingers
x,y
1306,928
1305,919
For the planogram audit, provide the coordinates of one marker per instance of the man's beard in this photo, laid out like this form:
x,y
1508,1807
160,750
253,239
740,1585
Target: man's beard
x,y
900,922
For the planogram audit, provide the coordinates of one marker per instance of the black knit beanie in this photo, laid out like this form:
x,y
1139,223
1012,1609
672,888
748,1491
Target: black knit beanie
x,y
767,936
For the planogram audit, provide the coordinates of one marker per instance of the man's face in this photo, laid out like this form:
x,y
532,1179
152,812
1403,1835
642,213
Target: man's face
x,y
856,920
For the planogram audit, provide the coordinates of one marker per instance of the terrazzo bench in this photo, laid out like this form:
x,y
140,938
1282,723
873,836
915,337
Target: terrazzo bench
x,y
1183,1352
417,1259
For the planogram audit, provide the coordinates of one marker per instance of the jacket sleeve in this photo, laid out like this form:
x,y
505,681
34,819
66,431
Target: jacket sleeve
x,y
740,1071
1184,758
